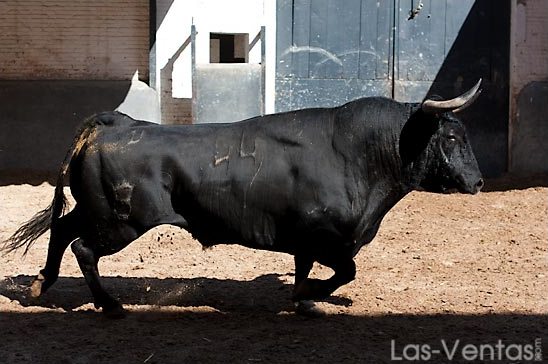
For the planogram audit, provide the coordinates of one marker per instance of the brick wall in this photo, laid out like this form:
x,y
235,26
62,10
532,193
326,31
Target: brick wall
x,y
529,43
61,61
176,110
73,39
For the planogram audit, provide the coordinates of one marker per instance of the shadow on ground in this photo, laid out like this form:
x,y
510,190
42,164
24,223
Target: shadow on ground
x,y
516,182
265,293
250,322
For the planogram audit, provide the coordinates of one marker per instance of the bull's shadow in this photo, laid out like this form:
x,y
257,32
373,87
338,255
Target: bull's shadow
x,y
158,336
245,331
266,293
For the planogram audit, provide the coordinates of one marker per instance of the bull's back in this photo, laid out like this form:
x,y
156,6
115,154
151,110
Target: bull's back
x,y
252,183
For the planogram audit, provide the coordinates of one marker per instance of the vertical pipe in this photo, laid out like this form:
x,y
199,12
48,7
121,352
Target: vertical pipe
x,y
152,44
263,69
394,45
193,70
511,83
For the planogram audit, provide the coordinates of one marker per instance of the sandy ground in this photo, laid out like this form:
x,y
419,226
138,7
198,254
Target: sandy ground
x,y
464,269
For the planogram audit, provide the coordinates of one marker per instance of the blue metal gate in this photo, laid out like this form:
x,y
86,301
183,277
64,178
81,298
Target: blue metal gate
x,y
331,51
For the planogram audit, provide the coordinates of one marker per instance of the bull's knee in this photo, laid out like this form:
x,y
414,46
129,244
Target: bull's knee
x,y
78,248
83,254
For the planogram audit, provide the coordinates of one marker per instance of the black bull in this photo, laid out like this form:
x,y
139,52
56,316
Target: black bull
x,y
313,183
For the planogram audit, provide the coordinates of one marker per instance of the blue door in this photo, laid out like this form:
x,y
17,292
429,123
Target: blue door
x,y
331,51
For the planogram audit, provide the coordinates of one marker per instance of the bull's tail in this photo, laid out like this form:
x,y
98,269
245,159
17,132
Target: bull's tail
x,y
27,234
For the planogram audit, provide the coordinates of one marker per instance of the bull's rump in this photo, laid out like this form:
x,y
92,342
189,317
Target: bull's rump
x,y
235,183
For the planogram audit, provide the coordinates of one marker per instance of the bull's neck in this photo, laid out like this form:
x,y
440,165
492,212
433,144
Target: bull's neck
x,y
413,147
374,140
369,142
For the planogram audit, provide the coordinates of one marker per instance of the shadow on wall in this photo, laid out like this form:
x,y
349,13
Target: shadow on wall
x,y
530,130
481,50
38,120
210,320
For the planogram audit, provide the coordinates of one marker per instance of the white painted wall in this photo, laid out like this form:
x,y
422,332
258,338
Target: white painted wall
x,y
212,16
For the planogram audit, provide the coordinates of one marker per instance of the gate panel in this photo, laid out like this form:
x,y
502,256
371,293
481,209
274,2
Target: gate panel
x,y
338,51
226,92
422,43
301,35
318,39
342,39
376,42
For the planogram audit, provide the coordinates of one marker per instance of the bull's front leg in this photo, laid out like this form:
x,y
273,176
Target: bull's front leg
x,y
308,289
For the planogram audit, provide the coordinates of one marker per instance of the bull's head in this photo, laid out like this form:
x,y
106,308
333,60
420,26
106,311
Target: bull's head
x,y
443,158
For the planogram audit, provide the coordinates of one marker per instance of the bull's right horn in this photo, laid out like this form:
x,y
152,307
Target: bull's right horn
x,y
457,104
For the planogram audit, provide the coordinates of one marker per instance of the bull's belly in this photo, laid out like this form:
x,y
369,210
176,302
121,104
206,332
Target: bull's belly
x,y
284,234
211,235
210,231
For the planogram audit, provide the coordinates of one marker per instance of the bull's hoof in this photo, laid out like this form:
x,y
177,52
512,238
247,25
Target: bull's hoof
x,y
114,312
36,286
308,308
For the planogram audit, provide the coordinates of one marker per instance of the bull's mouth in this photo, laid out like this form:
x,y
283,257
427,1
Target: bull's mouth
x,y
472,190
445,189
467,187
456,184
450,190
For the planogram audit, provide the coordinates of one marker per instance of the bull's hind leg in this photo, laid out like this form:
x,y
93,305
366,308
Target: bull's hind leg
x,y
307,289
303,265
88,260
63,232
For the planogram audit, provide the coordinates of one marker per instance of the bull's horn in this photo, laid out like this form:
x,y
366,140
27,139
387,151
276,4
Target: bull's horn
x,y
457,104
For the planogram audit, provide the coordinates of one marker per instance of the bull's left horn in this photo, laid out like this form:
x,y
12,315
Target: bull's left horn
x,y
457,104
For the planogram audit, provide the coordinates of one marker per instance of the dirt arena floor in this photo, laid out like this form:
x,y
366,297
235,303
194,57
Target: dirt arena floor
x,y
444,270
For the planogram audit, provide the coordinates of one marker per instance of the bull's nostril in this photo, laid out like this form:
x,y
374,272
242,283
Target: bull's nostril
x,y
480,184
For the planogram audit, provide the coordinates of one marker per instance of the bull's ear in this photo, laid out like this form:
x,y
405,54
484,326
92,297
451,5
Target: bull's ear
x,y
457,104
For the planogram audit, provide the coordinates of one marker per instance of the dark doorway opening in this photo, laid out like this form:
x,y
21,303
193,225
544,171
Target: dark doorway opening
x,y
228,48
